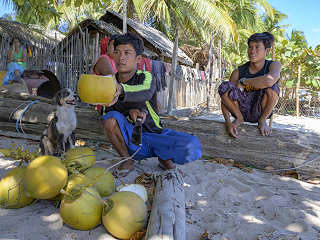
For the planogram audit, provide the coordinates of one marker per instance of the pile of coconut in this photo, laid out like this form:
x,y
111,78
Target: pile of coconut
x,y
86,193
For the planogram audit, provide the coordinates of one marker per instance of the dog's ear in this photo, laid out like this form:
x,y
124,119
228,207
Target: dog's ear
x,y
57,97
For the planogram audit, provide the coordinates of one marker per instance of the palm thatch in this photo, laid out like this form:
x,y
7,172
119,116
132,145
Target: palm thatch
x,y
199,54
29,35
153,39
104,29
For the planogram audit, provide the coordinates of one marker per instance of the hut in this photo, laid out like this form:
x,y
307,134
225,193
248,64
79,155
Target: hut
x,y
35,38
153,39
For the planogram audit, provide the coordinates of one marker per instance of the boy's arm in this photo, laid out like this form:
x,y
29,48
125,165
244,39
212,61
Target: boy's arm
x,y
267,80
139,93
10,56
234,77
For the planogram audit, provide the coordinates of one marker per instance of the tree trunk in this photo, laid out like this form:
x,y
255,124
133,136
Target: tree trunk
x,y
167,218
210,71
283,149
273,52
173,72
124,27
297,92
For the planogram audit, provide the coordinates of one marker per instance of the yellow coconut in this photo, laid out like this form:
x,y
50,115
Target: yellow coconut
x,y
45,177
81,208
96,89
102,179
77,179
11,189
79,159
124,214
138,189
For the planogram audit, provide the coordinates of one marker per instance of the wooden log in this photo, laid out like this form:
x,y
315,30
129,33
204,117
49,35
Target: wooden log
x,y
283,149
167,218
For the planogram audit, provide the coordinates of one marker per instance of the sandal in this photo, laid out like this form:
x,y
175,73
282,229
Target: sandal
x,y
119,173
163,167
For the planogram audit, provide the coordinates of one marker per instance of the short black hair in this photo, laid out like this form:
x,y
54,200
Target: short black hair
x,y
265,37
132,39
113,37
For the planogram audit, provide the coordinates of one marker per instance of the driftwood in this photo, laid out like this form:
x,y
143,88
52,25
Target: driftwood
x,y
167,218
283,149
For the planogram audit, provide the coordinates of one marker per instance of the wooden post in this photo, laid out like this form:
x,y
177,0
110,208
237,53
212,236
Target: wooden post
x,y
124,22
173,72
210,71
297,92
168,218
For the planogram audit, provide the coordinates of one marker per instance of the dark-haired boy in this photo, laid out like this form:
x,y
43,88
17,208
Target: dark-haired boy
x,y
136,97
253,91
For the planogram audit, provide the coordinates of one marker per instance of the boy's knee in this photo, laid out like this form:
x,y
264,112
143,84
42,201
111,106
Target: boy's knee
x,y
272,93
110,125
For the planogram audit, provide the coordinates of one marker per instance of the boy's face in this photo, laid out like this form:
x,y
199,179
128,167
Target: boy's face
x,y
257,51
126,58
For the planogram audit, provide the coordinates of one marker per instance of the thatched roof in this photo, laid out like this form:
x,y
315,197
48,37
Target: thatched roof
x,y
153,39
103,28
199,54
30,35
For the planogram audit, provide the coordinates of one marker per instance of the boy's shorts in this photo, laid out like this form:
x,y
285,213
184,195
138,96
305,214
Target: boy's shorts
x,y
180,147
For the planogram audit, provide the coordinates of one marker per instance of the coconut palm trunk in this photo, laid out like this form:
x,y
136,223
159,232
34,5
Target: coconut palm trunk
x,y
173,71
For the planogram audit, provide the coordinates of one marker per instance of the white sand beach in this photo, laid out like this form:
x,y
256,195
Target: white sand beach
x,y
225,201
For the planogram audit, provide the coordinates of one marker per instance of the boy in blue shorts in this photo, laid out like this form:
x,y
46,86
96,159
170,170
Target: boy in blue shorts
x,y
136,97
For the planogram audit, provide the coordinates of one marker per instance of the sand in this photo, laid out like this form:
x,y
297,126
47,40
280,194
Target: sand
x,y
225,201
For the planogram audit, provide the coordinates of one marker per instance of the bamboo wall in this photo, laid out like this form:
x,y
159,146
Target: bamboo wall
x,y
76,56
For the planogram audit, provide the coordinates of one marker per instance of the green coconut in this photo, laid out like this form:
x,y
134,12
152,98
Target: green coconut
x,y
124,214
74,180
12,193
102,179
79,159
45,177
81,208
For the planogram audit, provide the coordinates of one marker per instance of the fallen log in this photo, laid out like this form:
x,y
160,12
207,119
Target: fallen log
x,y
282,150
167,218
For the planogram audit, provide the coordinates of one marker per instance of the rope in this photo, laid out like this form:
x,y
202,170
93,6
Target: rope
x,y
19,120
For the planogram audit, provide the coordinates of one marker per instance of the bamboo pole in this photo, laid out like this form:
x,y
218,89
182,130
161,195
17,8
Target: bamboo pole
x,y
297,92
173,72
210,71
124,22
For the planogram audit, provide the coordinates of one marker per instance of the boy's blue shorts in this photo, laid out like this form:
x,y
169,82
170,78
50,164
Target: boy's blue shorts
x,y
180,147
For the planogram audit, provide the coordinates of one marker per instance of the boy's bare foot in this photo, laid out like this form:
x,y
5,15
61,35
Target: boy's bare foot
x,y
124,169
166,164
232,127
265,130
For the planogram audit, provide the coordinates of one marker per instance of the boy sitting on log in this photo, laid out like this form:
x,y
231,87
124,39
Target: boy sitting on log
x,y
253,90
136,98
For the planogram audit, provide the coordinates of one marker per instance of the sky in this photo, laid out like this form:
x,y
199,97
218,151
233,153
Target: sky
x,y
303,15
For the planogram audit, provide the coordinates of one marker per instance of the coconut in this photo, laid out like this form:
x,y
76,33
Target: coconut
x,y
11,189
102,179
79,159
124,214
96,89
45,177
81,208
135,188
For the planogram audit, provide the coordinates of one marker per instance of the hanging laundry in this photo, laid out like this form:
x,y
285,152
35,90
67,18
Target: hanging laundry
x,y
144,65
159,74
179,73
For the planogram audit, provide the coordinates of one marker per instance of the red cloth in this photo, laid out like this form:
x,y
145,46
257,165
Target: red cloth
x,y
144,65
104,45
